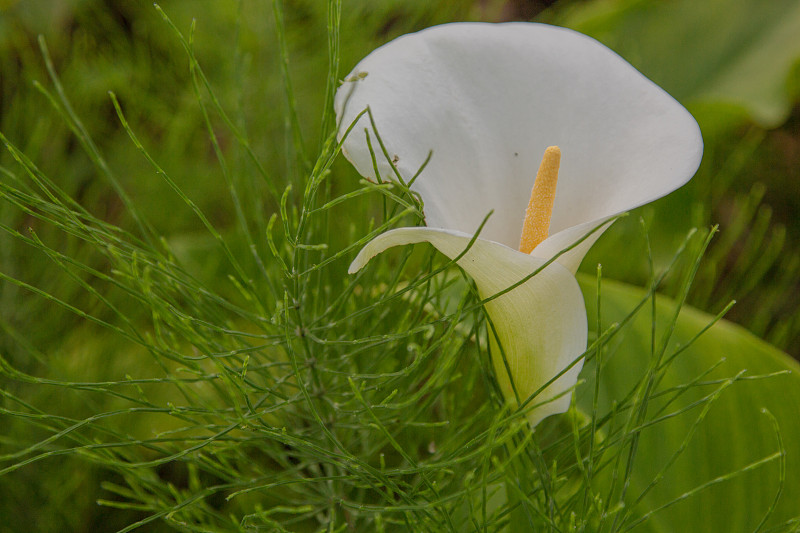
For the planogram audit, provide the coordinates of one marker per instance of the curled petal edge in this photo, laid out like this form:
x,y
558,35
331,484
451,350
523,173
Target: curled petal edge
x,y
625,141
538,329
571,245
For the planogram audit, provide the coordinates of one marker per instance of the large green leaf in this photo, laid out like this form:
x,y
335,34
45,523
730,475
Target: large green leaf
x,y
735,433
733,52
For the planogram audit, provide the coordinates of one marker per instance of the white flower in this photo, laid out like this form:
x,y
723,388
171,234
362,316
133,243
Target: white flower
x,y
487,100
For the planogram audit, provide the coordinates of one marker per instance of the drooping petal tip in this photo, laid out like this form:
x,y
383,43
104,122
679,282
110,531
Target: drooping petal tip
x,y
541,324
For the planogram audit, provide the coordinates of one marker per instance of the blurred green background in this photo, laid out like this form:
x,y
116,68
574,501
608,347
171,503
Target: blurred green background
x,y
735,64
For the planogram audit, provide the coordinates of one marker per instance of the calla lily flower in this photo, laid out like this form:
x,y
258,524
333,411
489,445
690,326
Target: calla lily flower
x,y
489,104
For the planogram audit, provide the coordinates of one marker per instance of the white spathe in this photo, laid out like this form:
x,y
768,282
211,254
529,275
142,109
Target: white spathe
x,y
541,324
487,100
